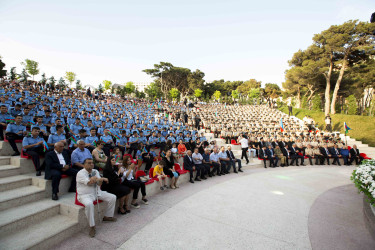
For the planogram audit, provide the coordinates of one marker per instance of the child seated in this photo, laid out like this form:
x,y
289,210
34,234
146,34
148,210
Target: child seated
x,y
159,173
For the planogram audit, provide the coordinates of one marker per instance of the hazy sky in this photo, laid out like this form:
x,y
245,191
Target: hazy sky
x,y
116,40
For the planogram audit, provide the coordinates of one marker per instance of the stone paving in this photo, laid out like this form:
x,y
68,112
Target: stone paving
x,y
312,207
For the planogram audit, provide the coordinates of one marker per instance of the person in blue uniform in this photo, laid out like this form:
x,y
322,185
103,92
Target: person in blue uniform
x,y
33,146
15,131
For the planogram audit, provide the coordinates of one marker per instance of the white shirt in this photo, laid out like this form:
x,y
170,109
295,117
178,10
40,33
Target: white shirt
x,y
83,177
244,143
61,158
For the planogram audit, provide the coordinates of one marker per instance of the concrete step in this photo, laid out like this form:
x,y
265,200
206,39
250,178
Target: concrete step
x,y
4,160
6,149
15,219
20,196
9,170
42,235
13,182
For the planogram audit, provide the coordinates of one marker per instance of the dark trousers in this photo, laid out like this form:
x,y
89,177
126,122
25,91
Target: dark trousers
x,y
35,153
133,149
56,177
345,157
264,161
358,159
316,159
295,158
2,128
148,160
244,154
135,185
107,149
325,158
233,163
206,169
215,168
12,137
336,160
190,169
224,165
274,160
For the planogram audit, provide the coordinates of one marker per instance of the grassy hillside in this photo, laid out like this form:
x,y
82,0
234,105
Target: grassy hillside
x,y
363,127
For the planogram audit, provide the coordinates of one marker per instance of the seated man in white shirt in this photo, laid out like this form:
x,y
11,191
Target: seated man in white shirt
x,y
88,190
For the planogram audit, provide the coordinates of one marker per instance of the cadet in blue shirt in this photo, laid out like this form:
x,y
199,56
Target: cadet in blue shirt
x,y
33,146
91,140
80,154
123,142
108,140
58,136
15,131
3,120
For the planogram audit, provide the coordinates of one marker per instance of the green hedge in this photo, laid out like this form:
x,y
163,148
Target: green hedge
x,y
363,127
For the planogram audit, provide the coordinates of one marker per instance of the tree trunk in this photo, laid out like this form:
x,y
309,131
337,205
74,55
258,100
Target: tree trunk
x,y
298,97
328,86
337,87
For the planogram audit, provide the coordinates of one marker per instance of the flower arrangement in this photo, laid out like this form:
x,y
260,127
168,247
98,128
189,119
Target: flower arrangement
x,y
364,179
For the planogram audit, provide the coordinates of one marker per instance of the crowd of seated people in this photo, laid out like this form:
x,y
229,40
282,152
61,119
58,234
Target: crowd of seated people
x,y
103,126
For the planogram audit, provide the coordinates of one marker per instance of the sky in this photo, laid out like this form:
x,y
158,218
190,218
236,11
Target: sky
x,y
116,40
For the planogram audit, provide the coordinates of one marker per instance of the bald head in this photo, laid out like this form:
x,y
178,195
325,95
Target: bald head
x,y
59,147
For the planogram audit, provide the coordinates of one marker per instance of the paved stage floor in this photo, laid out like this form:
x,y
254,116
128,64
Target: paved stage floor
x,y
311,207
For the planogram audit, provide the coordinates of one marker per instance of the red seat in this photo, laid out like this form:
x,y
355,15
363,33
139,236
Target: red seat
x,y
233,142
80,204
64,176
179,170
140,173
365,156
16,141
24,155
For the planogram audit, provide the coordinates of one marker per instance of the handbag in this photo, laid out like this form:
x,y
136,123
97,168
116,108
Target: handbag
x,y
144,178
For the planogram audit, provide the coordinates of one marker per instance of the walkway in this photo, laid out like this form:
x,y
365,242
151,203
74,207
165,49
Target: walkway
x,y
282,208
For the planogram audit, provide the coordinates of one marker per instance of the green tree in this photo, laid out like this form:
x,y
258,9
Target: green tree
x,y
250,84
316,103
78,85
62,83
217,95
304,103
352,105
271,91
43,80
153,90
198,93
52,81
171,76
338,47
100,88
23,76
140,94
235,94
254,94
13,74
31,67
3,72
174,93
129,88
107,84
70,76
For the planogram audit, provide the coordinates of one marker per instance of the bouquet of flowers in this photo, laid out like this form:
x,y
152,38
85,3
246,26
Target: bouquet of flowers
x,y
364,179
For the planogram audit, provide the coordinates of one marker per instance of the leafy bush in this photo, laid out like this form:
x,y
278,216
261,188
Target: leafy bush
x,y
352,105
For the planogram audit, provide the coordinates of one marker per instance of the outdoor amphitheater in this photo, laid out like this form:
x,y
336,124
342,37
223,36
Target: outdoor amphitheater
x,y
163,156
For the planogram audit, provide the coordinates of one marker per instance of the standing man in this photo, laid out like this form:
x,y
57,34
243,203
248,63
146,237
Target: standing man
x,y
57,164
88,190
244,146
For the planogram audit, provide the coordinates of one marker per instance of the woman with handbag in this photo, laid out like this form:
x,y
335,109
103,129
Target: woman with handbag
x,y
129,181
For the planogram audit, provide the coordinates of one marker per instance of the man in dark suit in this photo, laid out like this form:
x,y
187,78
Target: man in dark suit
x,y
295,156
326,154
263,156
335,154
189,165
57,164
354,155
233,160
271,155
